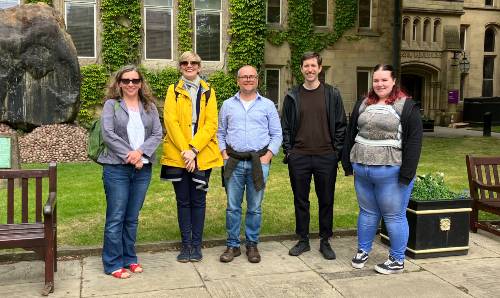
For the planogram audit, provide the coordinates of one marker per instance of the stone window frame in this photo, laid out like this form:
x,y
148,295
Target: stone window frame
x,y
281,13
463,37
416,29
405,29
326,25
86,2
494,32
426,30
370,26
273,68
489,3
437,30
212,11
363,69
172,28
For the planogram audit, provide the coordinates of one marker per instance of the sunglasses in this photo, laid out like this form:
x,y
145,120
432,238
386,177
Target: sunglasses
x,y
186,63
127,81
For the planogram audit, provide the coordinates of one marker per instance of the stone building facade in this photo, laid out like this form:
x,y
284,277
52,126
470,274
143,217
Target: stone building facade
x,y
436,36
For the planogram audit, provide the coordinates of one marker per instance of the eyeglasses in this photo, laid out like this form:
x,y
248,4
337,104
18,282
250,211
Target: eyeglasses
x,y
186,63
128,81
248,78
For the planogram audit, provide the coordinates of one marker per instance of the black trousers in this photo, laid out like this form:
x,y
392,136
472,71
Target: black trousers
x,y
324,170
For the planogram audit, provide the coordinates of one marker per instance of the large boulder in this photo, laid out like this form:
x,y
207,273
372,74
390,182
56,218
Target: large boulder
x,y
39,71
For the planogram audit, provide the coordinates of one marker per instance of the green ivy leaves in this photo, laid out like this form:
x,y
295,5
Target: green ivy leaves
x,y
184,26
94,78
49,2
121,32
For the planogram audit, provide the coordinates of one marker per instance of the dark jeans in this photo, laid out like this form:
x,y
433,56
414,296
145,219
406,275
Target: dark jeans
x,y
125,189
190,209
324,169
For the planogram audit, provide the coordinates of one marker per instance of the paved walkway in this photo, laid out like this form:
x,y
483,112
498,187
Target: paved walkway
x,y
278,275
447,132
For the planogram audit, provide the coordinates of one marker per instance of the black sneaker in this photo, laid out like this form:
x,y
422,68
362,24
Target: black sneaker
x,y
326,250
390,266
299,248
196,255
184,255
359,259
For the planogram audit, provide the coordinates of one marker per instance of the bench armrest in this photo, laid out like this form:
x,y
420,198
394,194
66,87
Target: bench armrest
x,y
483,186
49,207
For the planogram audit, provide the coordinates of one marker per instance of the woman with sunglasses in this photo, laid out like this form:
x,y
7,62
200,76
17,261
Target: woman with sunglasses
x,y
190,151
131,131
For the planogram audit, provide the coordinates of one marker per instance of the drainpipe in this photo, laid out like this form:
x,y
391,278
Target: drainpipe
x,y
396,39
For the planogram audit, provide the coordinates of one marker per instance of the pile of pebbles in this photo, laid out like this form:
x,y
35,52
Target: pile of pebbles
x,y
55,142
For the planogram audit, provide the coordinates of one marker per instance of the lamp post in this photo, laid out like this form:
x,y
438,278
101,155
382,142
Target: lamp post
x,y
464,64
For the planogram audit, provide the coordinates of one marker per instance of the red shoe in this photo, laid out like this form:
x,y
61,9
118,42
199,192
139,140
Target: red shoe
x,y
135,268
120,273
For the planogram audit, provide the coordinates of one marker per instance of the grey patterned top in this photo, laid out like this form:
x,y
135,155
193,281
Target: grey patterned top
x,y
380,128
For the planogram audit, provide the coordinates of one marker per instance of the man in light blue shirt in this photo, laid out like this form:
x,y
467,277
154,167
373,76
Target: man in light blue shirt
x,y
249,136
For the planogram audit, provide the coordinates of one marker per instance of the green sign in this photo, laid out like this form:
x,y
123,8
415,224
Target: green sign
x,y
5,153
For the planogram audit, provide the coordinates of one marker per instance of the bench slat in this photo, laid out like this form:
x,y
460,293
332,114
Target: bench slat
x,y
6,174
10,200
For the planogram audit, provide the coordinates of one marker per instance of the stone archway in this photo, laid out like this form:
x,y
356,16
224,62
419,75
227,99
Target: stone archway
x,y
422,81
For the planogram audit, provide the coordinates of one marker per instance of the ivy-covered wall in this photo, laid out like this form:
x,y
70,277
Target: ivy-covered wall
x,y
49,2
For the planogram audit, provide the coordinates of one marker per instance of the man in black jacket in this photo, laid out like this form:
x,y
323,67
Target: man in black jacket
x,y
314,125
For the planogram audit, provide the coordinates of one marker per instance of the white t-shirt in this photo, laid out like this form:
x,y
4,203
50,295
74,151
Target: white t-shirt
x,y
135,131
247,103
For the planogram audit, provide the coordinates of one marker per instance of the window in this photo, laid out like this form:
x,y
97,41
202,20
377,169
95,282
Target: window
x,y
363,83
208,29
488,67
488,2
489,40
158,29
427,30
463,36
416,29
273,11
80,24
8,3
273,85
364,13
319,8
404,32
436,33
322,75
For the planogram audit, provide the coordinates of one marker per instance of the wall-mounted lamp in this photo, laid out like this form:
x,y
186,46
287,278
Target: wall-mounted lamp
x,y
462,63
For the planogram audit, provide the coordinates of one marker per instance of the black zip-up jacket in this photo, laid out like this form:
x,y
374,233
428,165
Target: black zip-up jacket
x,y
290,119
411,123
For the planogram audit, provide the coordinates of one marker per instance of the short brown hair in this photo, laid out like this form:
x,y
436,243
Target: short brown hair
x,y
309,55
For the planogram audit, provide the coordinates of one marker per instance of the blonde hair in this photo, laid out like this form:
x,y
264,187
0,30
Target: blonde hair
x,y
189,56
114,91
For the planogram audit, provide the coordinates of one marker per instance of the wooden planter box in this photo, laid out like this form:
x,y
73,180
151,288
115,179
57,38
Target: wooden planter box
x,y
437,228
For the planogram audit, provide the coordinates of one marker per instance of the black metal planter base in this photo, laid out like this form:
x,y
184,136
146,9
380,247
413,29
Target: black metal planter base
x,y
436,228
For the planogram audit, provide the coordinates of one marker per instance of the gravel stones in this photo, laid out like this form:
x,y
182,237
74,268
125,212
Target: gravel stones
x,y
56,142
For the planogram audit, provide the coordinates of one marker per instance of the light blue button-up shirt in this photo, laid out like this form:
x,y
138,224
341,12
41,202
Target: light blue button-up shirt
x,y
249,130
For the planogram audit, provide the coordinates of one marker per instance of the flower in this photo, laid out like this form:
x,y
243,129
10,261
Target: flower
x,y
429,187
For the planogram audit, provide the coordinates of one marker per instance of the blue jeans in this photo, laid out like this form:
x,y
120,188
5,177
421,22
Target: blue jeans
x,y
380,195
125,189
241,179
190,209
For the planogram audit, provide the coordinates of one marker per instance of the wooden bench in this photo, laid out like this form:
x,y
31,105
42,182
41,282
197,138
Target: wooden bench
x,y
484,185
25,226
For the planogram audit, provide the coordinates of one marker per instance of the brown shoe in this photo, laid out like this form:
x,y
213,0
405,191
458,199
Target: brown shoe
x,y
229,254
253,254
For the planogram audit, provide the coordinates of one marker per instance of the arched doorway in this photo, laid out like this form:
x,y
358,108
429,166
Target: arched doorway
x,y
413,85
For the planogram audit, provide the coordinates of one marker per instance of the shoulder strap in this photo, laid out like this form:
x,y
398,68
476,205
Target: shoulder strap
x,y
207,93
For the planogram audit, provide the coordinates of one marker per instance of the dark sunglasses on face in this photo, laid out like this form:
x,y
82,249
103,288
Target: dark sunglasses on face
x,y
186,63
127,81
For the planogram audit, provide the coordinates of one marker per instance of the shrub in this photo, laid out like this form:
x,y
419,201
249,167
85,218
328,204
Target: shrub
x,y
431,187
224,85
94,79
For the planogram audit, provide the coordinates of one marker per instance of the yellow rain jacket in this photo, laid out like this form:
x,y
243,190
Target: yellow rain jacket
x,y
177,117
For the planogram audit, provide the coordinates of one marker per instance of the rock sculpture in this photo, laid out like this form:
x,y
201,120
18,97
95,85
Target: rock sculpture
x,y
39,70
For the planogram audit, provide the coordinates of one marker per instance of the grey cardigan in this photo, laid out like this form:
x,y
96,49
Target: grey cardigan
x,y
114,132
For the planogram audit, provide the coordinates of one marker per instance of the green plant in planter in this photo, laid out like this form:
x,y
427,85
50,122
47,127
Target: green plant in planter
x,y
430,187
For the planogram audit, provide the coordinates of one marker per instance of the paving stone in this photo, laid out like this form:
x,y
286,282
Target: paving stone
x,y
63,288
34,271
476,251
479,277
161,272
299,284
344,248
200,292
412,284
275,259
486,240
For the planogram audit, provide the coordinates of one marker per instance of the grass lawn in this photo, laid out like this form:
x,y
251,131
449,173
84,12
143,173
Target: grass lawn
x,y
494,128
81,202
